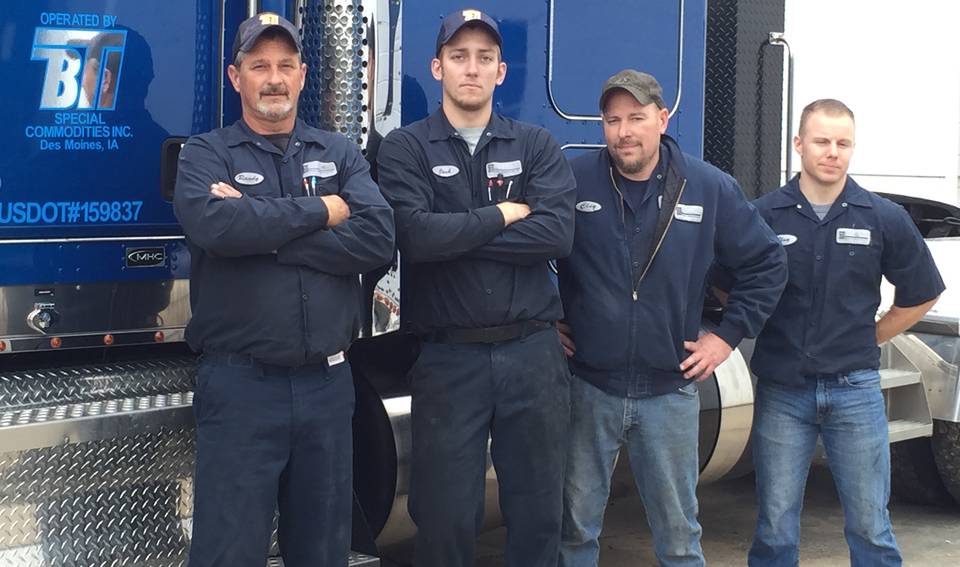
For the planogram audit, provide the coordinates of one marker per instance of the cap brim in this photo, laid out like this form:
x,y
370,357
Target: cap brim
x,y
640,97
474,23
252,40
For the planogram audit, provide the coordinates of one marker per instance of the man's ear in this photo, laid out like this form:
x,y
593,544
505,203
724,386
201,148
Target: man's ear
x,y
234,75
501,73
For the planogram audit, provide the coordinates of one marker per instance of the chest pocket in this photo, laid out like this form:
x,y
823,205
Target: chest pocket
x,y
504,182
320,178
451,194
859,250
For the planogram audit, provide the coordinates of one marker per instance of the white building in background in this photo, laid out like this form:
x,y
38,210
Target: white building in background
x,y
897,65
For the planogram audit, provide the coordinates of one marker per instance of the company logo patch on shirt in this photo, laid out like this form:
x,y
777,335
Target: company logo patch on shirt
x,y
248,178
319,169
858,236
787,239
445,170
504,168
688,213
335,359
588,206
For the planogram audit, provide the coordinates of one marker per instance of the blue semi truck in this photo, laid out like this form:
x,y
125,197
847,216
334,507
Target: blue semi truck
x,y
96,438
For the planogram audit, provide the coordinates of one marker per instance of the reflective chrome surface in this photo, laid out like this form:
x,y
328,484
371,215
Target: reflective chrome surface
x,y
937,358
736,417
96,465
84,313
399,528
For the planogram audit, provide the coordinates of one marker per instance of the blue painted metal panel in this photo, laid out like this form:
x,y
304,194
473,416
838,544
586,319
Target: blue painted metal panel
x,y
170,64
590,43
99,86
89,262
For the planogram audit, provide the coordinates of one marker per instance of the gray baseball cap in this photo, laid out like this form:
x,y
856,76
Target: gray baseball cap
x,y
642,86
250,30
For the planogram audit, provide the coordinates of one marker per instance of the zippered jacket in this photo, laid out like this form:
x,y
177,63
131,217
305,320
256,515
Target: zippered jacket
x,y
631,310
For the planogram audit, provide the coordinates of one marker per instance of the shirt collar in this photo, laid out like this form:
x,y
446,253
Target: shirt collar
x,y
239,133
439,128
791,196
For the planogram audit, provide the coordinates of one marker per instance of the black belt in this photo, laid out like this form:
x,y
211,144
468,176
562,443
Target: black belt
x,y
487,334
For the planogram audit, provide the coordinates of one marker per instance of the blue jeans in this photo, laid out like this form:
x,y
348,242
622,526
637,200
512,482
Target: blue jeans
x,y
660,435
517,395
848,413
272,438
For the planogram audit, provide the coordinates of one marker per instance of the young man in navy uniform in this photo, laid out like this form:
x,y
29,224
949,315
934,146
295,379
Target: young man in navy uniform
x,y
482,204
816,360
280,218
650,222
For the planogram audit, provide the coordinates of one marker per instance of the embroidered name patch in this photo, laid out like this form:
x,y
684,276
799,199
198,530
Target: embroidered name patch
x,y
588,207
319,169
248,178
858,236
504,168
688,213
787,239
446,170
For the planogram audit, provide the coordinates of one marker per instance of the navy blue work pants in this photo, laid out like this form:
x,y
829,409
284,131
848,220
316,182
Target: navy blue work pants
x,y
516,394
267,438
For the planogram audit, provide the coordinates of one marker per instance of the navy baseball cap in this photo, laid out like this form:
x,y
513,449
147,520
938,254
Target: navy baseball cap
x,y
252,28
456,20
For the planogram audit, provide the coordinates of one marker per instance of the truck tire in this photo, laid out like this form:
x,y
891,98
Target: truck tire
x,y
914,477
946,453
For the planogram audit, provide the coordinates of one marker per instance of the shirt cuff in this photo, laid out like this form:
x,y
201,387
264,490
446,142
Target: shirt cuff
x,y
315,210
730,333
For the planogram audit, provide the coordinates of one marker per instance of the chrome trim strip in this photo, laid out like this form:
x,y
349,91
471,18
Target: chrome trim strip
x,y
90,239
37,428
220,63
591,117
167,331
582,146
736,417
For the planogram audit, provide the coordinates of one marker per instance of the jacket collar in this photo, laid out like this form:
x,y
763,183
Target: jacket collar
x,y
670,165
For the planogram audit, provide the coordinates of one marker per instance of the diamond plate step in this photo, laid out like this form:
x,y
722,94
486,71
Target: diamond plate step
x,y
894,378
903,429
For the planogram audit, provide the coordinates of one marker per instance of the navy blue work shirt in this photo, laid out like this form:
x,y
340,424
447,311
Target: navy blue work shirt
x,y
461,268
641,200
268,277
825,321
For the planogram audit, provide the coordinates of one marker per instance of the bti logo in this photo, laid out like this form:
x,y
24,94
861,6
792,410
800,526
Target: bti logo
x,y
83,67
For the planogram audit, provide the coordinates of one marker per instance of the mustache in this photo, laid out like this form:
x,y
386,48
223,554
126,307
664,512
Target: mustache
x,y
274,91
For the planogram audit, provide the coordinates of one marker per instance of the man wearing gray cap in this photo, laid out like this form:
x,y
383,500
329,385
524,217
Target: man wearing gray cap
x,y
482,204
280,219
650,222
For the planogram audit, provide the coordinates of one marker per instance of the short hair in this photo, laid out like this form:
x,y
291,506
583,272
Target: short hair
x,y
275,32
829,106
